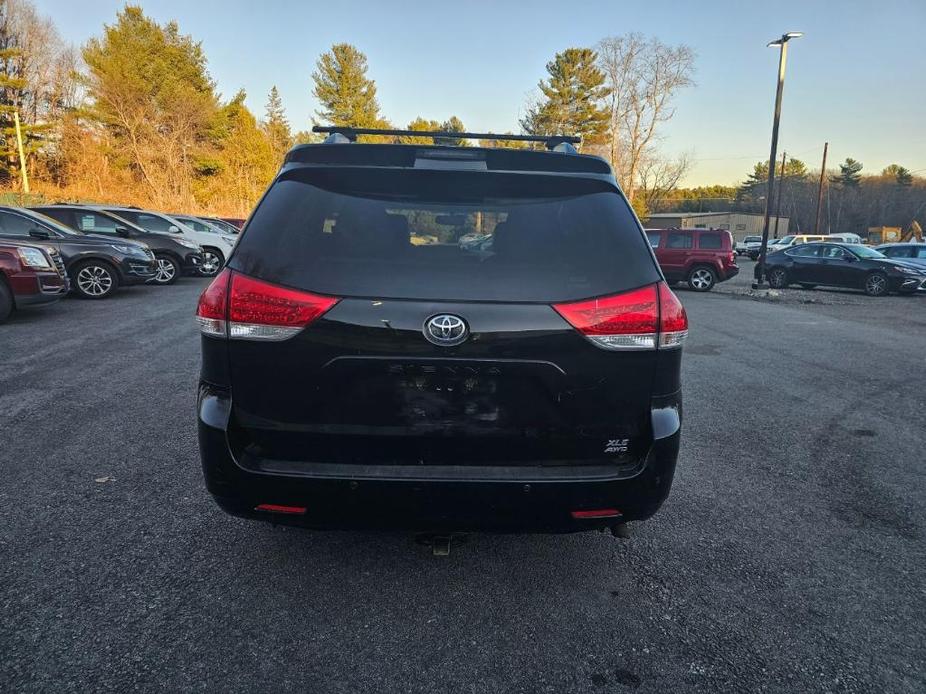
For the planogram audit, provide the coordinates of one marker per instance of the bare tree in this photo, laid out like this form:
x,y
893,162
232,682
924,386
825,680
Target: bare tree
x,y
644,75
658,176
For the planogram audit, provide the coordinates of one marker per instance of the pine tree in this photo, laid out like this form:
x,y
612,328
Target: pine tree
x,y
423,125
849,175
12,85
347,95
276,124
504,144
148,86
245,161
900,174
572,97
452,125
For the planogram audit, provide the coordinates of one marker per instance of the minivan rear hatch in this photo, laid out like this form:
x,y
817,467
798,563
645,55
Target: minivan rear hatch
x,y
400,260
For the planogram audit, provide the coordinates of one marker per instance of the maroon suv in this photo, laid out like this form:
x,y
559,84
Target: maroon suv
x,y
30,274
699,257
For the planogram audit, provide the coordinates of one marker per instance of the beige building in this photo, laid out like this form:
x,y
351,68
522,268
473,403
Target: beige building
x,y
739,224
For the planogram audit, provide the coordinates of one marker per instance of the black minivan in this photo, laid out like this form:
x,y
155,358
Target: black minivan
x,y
441,339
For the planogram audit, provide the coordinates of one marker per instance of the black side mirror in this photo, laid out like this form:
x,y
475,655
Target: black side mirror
x,y
849,257
39,233
123,232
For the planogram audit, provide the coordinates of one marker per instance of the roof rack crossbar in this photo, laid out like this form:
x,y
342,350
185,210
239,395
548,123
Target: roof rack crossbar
x,y
351,134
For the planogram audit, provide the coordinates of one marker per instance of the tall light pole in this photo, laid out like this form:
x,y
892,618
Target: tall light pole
x,y
816,228
781,187
782,44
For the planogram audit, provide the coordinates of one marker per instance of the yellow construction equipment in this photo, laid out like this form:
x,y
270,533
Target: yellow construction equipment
x,y
878,235
914,231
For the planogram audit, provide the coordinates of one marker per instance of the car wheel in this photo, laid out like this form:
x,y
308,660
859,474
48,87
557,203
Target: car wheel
x,y
213,261
778,278
805,285
94,279
168,270
701,279
876,284
6,302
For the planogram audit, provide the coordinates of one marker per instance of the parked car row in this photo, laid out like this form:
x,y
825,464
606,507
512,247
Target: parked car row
x,y
92,250
699,257
753,247
850,265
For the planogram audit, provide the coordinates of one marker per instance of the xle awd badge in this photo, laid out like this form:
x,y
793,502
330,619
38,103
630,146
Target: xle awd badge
x,y
445,330
617,446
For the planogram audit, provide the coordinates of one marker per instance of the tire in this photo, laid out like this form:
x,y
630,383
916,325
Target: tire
x,y
6,302
876,284
168,270
94,279
213,262
805,285
777,278
701,279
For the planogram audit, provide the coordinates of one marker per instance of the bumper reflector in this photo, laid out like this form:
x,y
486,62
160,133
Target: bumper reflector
x,y
597,513
278,508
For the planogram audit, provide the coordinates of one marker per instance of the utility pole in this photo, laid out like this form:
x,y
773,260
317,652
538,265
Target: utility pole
x,y
782,45
781,180
22,155
816,229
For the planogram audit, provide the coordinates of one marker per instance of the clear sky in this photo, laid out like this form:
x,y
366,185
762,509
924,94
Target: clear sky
x,y
857,78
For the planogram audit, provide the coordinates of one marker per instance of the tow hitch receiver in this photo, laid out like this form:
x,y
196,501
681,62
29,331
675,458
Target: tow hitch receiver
x,y
440,544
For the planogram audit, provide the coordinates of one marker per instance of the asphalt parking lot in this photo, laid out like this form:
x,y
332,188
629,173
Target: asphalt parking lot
x,y
789,557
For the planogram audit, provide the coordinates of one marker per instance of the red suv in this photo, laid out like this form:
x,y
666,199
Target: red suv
x,y
700,257
30,273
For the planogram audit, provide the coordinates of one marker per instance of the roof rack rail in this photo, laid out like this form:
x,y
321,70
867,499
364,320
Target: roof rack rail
x,y
350,134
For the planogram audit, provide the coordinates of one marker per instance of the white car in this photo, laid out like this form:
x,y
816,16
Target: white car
x,y
216,246
843,238
749,243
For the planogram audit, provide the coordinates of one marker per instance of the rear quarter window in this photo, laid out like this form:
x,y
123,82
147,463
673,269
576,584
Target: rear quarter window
x,y
445,236
710,241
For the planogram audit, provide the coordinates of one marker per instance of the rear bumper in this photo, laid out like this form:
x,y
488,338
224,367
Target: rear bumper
x,y
730,272
438,499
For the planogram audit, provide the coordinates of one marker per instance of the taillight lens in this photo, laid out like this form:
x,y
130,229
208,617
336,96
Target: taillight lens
x,y
212,310
636,320
673,321
252,309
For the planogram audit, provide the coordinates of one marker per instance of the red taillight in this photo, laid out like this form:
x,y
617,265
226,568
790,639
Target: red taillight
x,y
280,508
597,513
212,310
673,321
252,309
634,320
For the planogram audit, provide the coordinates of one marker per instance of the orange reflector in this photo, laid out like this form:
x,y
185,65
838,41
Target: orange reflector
x,y
597,513
277,508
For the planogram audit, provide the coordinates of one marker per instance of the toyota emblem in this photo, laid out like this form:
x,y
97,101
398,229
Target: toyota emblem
x,y
445,330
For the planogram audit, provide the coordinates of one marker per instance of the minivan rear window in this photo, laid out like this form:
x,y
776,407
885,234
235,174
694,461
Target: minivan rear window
x,y
445,236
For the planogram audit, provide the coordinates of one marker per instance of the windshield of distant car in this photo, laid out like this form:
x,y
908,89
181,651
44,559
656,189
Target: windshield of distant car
x,y
864,251
785,239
